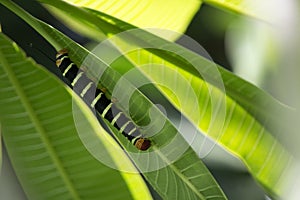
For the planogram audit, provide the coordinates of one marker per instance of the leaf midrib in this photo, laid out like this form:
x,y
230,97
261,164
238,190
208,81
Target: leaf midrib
x,y
178,173
38,126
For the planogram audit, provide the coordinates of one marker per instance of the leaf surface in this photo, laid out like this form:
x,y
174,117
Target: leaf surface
x,y
43,142
183,177
255,9
244,120
0,150
154,14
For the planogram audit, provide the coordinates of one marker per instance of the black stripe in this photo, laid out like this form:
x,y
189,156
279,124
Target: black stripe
x,y
98,91
121,121
109,115
136,133
129,137
81,83
64,64
114,111
61,55
129,127
102,103
90,94
71,74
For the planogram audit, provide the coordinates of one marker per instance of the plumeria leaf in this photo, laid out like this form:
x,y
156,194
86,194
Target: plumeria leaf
x,y
176,173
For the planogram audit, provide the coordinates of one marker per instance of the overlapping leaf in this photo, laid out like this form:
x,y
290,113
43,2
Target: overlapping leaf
x,y
250,113
0,149
42,140
166,14
246,130
185,177
243,7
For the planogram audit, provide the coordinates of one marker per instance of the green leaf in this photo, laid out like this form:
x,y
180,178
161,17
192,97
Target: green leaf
x,y
247,116
182,176
154,14
223,118
264,11
42,141
0,149
234,86
243,7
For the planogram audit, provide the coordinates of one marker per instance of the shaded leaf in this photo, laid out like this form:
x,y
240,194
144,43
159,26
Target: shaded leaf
x,y
43,142
0,149
186,174
242,7
247,114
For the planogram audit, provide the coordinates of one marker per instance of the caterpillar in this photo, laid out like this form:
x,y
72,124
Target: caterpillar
x,y
96,99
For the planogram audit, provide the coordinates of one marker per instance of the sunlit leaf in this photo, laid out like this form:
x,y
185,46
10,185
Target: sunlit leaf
x,y
261,10
0,150
154,14
43,142
248,116
227,121
183,177
243,7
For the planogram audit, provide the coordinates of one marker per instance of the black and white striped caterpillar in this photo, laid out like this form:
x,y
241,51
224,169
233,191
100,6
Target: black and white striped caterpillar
x,y
96,99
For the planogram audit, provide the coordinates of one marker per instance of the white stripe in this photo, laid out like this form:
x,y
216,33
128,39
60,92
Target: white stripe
x,y
96,99
106,110
67,69
62,59
124,126
76,78
134,140
116,118
131,131
86,89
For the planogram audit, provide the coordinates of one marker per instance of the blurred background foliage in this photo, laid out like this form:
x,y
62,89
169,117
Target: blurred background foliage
x,y
208,27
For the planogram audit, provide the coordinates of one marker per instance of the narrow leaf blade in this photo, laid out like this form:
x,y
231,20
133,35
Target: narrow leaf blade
x,y
41,137
155,14
254,141
167,133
